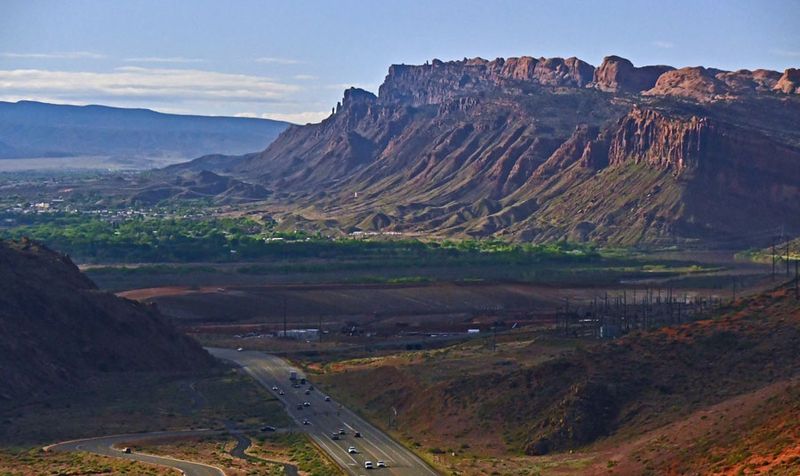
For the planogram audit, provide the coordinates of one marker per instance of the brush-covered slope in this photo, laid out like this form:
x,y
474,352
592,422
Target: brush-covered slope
x,y
610,395
548,148
56,327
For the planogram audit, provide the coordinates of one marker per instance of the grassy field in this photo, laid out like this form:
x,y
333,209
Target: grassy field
x,y
215,450
35,462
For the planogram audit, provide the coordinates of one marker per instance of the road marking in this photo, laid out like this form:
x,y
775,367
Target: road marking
x,y
267,368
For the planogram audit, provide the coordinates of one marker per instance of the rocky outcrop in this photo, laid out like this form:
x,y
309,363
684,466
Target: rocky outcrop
x,y
708,84
665,142
438,81
695,83
619,75
745,81
789,82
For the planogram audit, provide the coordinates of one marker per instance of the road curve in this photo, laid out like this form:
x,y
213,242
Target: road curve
x,y
104,445
327,417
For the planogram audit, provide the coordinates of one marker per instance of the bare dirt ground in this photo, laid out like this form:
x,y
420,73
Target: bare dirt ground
x,y
308,303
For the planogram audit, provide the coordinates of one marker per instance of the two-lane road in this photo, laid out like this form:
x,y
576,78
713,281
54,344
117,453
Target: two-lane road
x,y
105,446
328,417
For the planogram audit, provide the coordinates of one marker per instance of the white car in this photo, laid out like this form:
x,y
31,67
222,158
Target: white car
x,y
381,464
368,465
352,450
274,388
239,349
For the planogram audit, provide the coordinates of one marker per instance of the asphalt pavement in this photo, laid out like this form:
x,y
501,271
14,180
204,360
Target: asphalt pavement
x,y
105,445
324,418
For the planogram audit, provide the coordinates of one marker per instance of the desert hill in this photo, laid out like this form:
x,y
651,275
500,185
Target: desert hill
x,y
57,327
709,397
548,148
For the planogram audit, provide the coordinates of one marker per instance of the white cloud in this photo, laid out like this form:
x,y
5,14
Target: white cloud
x,y
304,77
160,59
663,44
789,53
55,55
153,84
274,60
294,117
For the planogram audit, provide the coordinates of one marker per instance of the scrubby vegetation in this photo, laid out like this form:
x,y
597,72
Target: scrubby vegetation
x,y
222,239
538,402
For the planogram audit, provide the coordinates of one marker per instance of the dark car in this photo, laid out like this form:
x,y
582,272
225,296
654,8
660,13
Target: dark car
x,y
268,428
357,434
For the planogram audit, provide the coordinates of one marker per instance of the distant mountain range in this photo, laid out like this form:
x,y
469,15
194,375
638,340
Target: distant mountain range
x,y
33,129
543,149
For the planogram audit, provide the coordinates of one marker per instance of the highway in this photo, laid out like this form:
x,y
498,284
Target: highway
x,y
326,417
105,446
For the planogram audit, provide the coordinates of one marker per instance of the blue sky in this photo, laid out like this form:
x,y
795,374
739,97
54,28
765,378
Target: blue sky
x,y
292,59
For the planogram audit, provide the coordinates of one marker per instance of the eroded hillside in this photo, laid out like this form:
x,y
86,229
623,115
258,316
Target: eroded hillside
x,y
543,149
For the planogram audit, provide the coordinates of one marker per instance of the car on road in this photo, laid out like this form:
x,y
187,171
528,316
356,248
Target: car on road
x,y
306,404
280,392
367,464
127,450
357,434
342,432
308,392
274,388
268,428
327,399
299,406
352,450
335,436
305,421
381,464
239,349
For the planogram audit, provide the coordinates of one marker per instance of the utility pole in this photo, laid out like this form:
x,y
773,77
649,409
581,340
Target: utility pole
x,y
284,318
787,259
796,281
773,259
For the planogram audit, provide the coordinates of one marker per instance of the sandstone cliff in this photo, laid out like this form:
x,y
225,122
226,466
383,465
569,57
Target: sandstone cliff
x,y
549,148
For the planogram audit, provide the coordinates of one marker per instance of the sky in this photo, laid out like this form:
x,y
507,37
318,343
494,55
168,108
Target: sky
x,y
292,59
